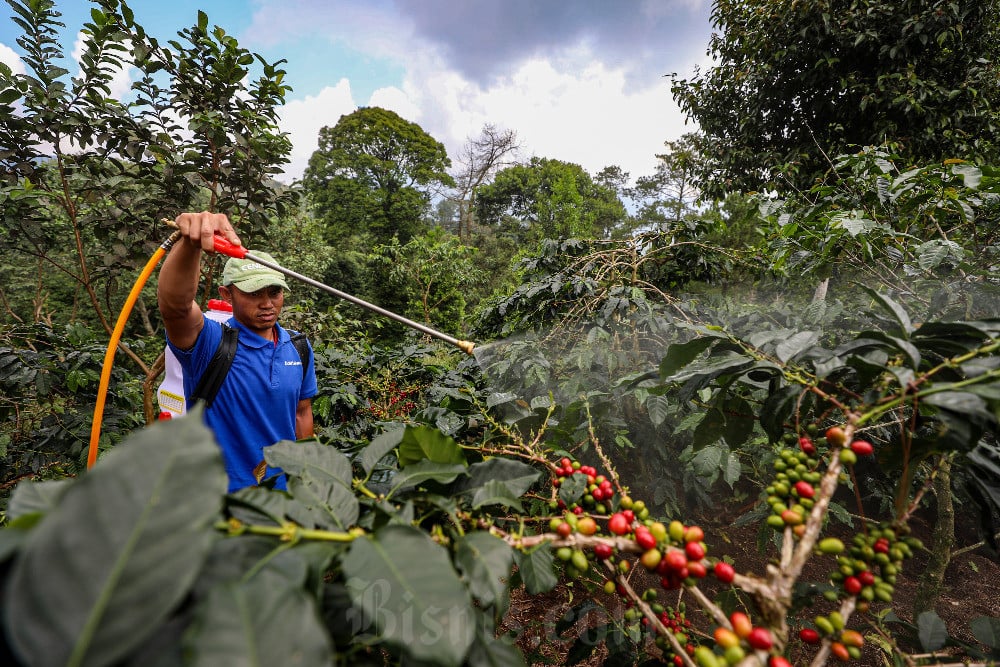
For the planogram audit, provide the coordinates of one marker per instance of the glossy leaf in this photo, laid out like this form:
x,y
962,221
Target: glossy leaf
x,y
727,362
424,442
495,492
320,478
680,355
794,345
485,562
380,445
405,583
36,497
490,651
108,565
986,630
418,473
536,570
572,488
264,621
505,478
931,631
895,309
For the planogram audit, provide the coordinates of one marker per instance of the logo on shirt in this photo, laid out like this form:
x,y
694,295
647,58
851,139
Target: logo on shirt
x,y
293,363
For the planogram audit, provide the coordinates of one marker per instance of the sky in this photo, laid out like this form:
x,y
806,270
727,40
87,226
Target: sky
x,y
583,81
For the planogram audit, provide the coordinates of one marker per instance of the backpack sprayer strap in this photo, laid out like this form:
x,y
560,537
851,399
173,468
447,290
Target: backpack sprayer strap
x,y
301,343
218,367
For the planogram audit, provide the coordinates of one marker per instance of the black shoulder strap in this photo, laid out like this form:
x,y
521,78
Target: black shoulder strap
x,y
218,367
302,347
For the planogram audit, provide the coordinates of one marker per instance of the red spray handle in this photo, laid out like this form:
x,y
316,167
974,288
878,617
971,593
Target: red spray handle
x,y
221,244
226,248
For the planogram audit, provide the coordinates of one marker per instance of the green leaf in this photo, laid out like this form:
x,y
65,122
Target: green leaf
x,y
586,643
932,631
904,346
405,584
379,447
516,476
572,488
202,21
485,562
731,469
497,481
932,254
727,362
263,621
896,310
961,402
971,174
711,428
795,344
32,497
319,477
658,408
490,651
740,420
418,473
680,355
495,492
536,569
853,225
708,461
255,504
106,567
776,409
986,630
424,442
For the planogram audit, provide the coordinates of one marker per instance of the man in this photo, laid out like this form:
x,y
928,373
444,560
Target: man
x,y
265,397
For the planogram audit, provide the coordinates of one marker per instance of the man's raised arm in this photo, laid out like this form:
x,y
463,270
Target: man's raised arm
x,y
177,286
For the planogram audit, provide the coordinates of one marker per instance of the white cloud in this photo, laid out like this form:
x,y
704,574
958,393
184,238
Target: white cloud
x,y
567,110
394,99
11,59
304,118
568,105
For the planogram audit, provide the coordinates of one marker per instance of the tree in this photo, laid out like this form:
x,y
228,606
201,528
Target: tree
x,y
548,199
87,177
669,195
481,158
372,177
430,276
797,81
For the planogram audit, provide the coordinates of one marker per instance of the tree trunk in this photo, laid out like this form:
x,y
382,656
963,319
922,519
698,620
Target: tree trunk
x,y
932,580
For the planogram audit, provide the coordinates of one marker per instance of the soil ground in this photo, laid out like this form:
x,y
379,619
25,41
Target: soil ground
x,y
971,590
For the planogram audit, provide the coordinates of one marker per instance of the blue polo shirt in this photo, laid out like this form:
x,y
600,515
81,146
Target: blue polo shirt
x,y
256,404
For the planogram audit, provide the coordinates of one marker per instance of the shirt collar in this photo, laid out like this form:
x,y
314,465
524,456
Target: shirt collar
x,y
253,339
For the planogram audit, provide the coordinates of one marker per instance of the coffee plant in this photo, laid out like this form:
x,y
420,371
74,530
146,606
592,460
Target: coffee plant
x,y
408,548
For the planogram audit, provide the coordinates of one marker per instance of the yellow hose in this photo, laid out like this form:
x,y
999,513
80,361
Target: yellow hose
x,y
116,335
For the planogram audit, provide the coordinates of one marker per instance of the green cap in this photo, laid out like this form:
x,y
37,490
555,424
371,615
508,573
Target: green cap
x,y
250,276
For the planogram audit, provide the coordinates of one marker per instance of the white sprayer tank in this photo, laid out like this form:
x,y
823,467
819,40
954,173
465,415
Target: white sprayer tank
x,y
170,395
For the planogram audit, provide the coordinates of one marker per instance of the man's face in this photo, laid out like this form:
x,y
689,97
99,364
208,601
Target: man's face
x,y
257,311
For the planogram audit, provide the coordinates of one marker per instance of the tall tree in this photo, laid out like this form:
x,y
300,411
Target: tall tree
x,y
668,195
482,157
373,176
549,199
429,277
86,177
796,81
